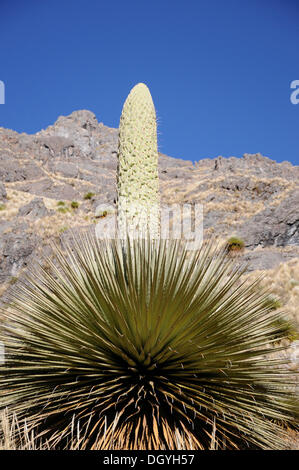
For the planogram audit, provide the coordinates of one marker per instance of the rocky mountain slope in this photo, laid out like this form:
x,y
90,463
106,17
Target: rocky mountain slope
x,y
54,180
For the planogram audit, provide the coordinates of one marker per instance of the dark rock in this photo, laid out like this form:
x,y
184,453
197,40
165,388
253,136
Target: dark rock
x,y
16,247
13,170
48,188
58,146
218,163
3,194
278,226
34,209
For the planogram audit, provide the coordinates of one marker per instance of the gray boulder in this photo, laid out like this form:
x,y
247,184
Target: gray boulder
x,y
34,209
11,169
278,226
16,248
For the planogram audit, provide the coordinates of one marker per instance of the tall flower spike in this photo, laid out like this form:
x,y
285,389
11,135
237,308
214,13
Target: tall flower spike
x,y
137,180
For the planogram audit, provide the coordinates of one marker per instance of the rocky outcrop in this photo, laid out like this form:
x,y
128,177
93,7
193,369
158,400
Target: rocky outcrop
x,y
35,209
252,164
13,169
16,248
278,226
251,189
75,160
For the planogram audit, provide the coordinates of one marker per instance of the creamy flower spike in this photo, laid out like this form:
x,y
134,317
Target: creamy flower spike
x,y
138,181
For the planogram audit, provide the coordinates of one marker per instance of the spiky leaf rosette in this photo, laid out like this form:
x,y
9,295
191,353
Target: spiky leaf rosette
x,y
144,347
137,176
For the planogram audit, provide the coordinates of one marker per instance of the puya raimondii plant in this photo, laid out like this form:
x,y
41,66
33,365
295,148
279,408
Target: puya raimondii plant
x,y
140,344
145,347
138,182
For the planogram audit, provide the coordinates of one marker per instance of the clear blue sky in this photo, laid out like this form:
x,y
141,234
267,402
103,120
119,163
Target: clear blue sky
x,y
219,71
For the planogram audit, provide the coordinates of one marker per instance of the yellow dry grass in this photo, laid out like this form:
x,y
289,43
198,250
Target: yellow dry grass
x,y
235,207
283,281
15,200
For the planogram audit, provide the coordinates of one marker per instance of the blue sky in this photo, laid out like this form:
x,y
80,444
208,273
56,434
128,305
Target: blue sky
x,y
219,71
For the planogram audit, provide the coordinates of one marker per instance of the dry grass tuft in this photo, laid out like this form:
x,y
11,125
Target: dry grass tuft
x,y
283,281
